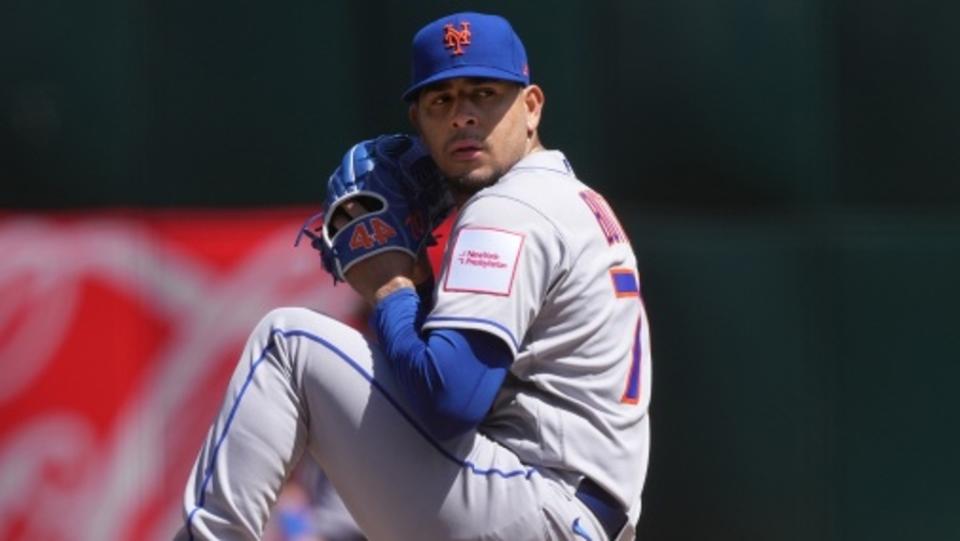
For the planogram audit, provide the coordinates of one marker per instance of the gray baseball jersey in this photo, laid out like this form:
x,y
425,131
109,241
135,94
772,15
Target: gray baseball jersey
x,y
540,261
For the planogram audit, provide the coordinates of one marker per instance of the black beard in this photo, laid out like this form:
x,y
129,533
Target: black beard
x,y
467,185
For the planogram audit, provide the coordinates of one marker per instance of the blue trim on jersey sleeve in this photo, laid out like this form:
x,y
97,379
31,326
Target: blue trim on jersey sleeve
x,y
525,473
452,377
513,340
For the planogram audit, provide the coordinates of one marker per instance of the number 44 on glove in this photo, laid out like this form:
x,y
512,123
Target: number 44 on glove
x,y
394,179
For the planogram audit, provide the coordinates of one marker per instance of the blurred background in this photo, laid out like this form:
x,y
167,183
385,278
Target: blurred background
x,y
788,172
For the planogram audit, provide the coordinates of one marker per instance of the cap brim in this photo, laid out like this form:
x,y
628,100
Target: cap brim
x,y
482,72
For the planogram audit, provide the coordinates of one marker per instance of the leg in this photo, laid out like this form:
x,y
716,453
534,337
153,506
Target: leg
x,y
305,381
334,522
255,441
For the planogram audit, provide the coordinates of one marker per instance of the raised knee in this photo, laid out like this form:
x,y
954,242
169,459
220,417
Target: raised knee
x,y
288,330
286,319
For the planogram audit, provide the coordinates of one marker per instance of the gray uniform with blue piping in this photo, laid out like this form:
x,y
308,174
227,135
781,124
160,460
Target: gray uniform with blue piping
x,y
538,260
564,448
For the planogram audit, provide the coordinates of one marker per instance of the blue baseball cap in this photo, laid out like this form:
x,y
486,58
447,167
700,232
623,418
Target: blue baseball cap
x,y
467,45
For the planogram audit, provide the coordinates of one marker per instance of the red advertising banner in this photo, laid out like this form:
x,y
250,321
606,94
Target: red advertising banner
x,y
118,331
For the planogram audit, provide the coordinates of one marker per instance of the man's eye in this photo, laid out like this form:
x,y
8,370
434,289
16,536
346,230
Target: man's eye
x,y
439,99
485,92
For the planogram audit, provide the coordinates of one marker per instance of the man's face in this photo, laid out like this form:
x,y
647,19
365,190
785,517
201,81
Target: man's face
x,y
477,129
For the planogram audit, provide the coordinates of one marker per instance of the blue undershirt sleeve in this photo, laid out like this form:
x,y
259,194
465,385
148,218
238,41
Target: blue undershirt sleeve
x,y
450,376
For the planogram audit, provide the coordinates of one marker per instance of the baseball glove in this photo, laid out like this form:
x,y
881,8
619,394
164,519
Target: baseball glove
x,y
396,181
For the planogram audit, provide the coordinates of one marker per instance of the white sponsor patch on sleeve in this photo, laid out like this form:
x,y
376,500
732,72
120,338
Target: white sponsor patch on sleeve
x,y
484,261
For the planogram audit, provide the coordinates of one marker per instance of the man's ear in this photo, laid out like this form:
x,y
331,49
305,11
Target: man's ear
x,y
412,115
533,102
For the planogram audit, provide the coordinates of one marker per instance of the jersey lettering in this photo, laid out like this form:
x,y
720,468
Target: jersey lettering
x,y
625,284
608,222
631,395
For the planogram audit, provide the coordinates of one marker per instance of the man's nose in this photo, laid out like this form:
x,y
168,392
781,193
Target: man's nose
x,y
464,115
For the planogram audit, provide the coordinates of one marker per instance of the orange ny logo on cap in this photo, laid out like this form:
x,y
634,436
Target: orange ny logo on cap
x,y
455,39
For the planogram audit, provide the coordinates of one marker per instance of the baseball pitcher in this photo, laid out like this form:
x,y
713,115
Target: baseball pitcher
x,y
506,395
